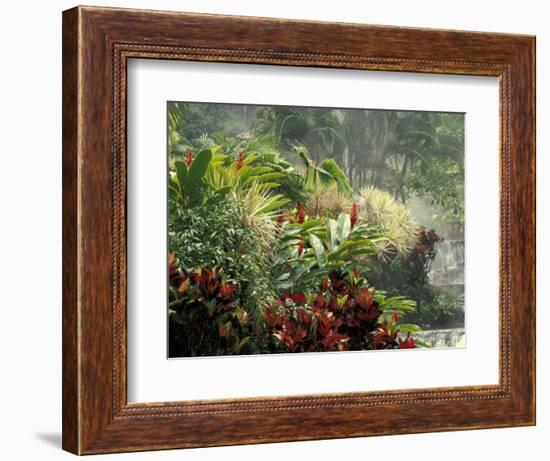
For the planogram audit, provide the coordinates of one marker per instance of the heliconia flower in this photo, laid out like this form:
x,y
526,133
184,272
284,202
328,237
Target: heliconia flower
x,y
408,343
300,213
354,214
280,217
189,157
325,284
240,161
301,246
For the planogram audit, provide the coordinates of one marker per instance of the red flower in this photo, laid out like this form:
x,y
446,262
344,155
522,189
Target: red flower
x,y
325,284
299,298
240,160
395,316
301,246
300,213
354,214
408,343
189,157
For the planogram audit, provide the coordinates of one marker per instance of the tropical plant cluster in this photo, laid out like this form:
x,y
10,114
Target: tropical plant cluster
x,y
273,256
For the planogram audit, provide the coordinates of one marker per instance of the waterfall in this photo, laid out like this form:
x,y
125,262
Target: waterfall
x,y
448,265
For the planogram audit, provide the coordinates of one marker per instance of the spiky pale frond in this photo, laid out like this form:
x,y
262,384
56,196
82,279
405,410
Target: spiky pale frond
x,y
380,209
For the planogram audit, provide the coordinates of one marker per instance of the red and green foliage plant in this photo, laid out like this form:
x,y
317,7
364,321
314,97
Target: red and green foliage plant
x,y
206,317
344,315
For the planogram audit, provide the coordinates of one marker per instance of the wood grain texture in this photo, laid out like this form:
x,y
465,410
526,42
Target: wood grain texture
x,y
97,43
70,390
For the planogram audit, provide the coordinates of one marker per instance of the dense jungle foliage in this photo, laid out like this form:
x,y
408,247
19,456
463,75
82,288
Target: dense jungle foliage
x,y
289,229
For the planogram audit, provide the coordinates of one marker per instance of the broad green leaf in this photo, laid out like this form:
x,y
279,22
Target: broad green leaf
x,y
318,248
247,172
409,328
343,227
195,179
251,158
331,168
181,172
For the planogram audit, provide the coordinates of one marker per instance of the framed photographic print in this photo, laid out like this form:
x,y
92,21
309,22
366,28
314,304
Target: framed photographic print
x,y
285,230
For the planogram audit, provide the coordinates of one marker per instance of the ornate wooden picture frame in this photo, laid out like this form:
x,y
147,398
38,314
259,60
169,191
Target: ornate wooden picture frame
x,y
97,44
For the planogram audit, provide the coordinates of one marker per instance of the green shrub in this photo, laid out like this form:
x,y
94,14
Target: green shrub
x,y
214,236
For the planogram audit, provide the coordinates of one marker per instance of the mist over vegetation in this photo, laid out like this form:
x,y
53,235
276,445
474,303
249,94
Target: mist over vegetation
x,y
350,206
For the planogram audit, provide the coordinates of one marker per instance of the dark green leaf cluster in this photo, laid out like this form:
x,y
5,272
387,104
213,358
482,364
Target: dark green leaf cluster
x,y
214,237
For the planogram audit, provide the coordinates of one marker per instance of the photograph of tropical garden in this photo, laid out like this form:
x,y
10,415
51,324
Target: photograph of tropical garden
x,y
304,229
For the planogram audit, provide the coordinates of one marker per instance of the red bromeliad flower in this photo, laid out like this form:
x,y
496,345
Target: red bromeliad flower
x,y
240,160
325,284
408,343
301,246
300,213
354,214
189,157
